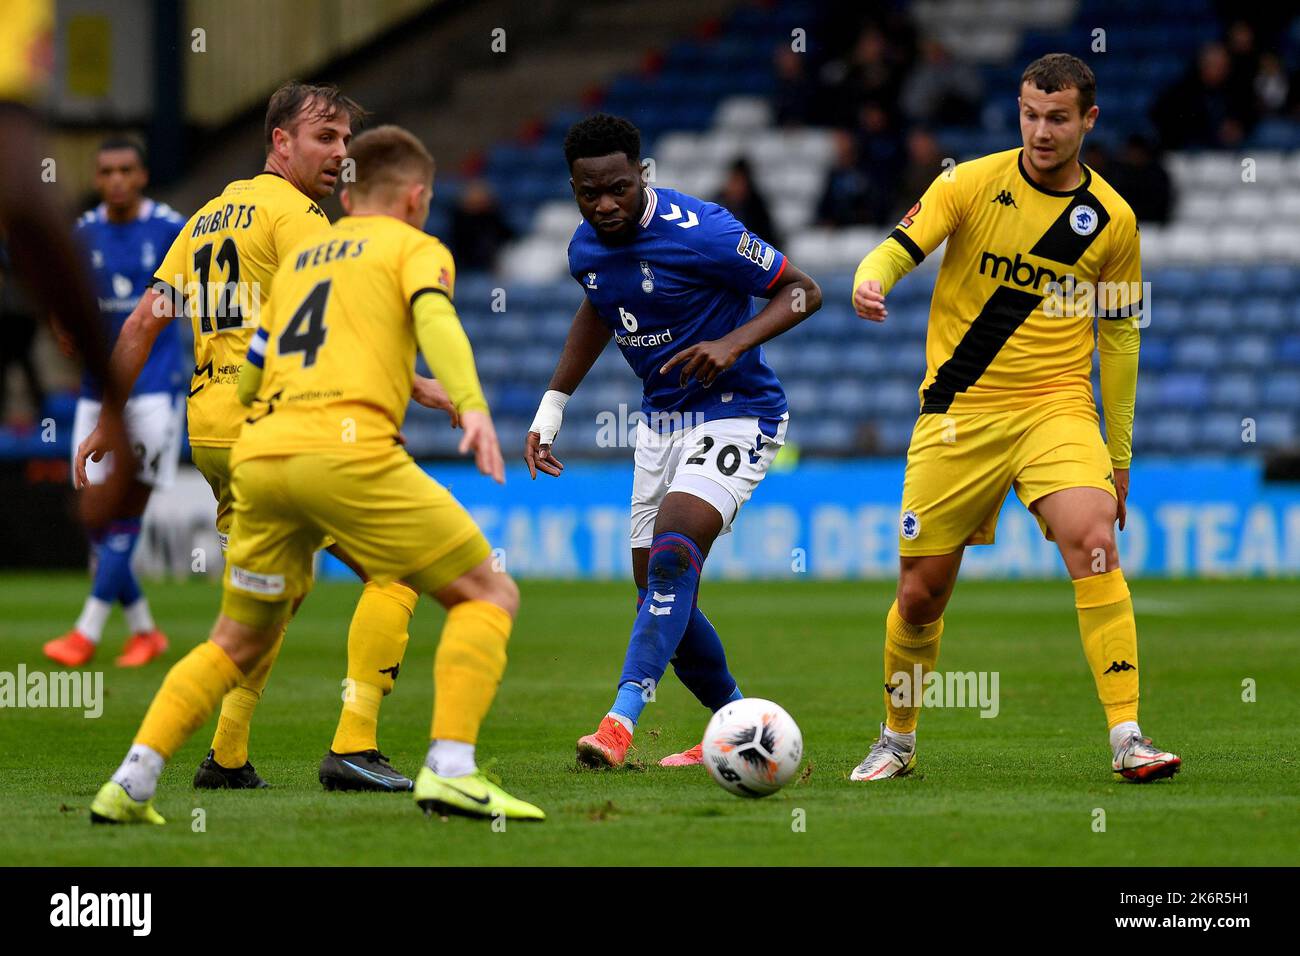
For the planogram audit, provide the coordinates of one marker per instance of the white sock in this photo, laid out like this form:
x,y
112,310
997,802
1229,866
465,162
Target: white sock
x,y
138,618
627,722
1122,732
451,758
94,614
139,772
902,741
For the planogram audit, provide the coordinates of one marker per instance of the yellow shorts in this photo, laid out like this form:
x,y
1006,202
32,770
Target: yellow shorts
x,y
395,520
961,465
214,465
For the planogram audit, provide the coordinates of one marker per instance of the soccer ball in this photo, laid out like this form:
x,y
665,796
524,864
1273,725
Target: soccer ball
x,y
752,747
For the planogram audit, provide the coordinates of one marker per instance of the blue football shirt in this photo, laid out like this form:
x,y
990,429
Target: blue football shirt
x,y
688,276
123,257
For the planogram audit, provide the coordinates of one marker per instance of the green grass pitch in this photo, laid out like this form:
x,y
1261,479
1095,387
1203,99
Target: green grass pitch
x,y
1021,788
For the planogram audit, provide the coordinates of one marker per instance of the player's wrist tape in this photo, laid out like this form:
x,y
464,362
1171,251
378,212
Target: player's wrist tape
x,y
550,413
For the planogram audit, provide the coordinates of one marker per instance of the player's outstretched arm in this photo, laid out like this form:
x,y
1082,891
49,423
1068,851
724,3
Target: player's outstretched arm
x,y
793,298
150,316
587,338
446,348
430,393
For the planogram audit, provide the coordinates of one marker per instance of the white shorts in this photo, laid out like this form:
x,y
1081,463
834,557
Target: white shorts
x,y
153,425
721,461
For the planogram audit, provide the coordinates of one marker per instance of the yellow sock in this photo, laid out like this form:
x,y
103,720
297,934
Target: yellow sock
x,y
467,668
376,644
230,742
187,698
1109,633
906,646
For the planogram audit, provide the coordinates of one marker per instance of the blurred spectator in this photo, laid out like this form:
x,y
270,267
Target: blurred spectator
x,y
1143,181
872,73
478,230
795,91
1208,107
847,198
741,196
1272,86
924,163
941,91
882,155
17,339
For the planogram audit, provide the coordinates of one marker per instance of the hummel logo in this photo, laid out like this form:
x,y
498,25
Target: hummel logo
x,y
758,447
691,219
1118,666
1005,198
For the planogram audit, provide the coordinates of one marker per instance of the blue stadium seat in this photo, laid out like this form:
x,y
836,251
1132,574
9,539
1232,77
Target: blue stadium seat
x,y
1282,391
1264,314
1197,352
1172,432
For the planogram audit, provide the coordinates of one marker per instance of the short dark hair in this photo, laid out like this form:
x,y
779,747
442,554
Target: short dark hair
x,y
125,142
1061,71
600,135
288,101
388,156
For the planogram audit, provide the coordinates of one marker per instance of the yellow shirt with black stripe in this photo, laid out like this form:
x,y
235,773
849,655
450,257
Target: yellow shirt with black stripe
x,y
1025,273
220,272
338,341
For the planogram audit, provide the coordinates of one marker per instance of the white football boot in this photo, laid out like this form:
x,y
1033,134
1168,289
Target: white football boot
x,y
885,759
1137,759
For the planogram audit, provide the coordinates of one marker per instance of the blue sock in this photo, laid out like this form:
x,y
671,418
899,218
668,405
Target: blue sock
x,y
673,578
114,579
701,664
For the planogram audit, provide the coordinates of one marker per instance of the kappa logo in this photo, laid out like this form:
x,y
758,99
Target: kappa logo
x,y
316,210
1083,220
910,526
1006,199
1117,667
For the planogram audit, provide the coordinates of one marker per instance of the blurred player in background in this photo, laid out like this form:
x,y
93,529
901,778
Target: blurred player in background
x,y
124,237
219,274
670,277
41,249
338,342
1038,247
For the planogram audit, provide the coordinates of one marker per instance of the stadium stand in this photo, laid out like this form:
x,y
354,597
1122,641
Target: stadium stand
x,y
1222,352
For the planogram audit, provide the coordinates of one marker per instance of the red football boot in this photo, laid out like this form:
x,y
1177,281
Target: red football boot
x,y
607,747
142,648
73,649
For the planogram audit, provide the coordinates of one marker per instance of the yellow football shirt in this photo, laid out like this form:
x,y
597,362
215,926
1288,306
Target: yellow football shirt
x,y
220,269
26,48
341,342
1025,273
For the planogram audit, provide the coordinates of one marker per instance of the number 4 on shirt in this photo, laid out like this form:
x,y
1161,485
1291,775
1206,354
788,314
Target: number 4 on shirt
x,y
305,332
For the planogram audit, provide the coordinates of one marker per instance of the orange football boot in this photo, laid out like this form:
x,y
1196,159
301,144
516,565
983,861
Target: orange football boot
x,y
687,758
142,648
73,649
607,747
